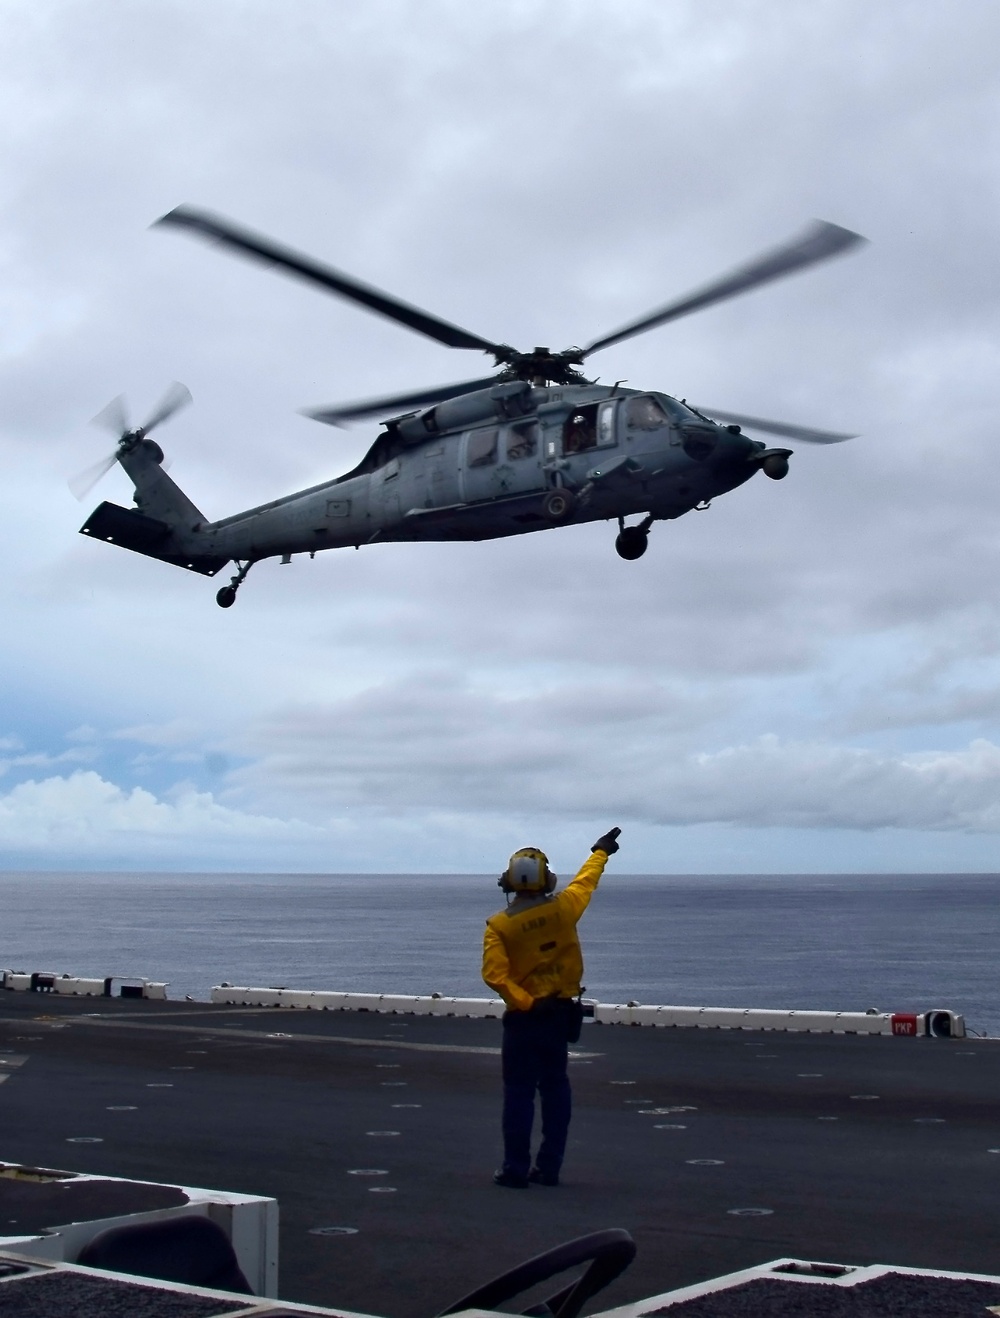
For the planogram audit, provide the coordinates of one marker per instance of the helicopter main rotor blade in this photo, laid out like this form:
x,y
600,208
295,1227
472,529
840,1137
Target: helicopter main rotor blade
x,y
81,484
176,397
819,242
395,403
805,433
271,253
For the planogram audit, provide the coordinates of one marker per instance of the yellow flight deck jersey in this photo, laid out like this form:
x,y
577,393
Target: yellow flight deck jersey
x,y
531,949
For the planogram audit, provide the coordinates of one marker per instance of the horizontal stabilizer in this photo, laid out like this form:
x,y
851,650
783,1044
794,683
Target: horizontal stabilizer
x,y
145,535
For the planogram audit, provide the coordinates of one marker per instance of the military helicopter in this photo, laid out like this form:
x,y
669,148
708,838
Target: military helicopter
x,y
534,446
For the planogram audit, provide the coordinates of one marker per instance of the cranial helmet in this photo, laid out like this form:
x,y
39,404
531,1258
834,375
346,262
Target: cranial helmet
x,y
528,872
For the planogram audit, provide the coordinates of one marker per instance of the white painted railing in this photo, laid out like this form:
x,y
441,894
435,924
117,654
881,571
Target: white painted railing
x,y
940,1023
128,986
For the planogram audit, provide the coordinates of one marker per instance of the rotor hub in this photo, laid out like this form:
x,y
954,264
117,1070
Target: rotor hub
x,y
541,366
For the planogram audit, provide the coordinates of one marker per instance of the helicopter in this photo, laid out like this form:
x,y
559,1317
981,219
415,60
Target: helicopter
x,y
534,446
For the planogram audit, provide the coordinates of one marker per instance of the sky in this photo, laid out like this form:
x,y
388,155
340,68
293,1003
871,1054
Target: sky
x,y
802,679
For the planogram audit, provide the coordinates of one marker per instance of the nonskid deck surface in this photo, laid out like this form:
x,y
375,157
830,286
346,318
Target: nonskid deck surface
x,y
717,1150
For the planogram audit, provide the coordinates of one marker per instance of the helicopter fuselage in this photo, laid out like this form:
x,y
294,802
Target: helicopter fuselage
x,y
504,461
537,446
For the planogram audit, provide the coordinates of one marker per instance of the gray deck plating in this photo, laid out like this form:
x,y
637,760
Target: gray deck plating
x,y
875,1150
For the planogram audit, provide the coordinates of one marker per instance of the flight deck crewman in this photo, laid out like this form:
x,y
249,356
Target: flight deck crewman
x,y
532,958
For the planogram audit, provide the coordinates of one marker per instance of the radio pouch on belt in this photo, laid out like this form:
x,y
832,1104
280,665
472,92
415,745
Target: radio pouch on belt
x,y
574,1020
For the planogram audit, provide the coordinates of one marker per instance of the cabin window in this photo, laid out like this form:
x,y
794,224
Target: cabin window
x,y
482,448
338,507
645,413
580,432
606,415
522,442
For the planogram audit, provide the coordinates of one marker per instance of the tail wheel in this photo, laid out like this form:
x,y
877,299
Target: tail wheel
x,y
558,505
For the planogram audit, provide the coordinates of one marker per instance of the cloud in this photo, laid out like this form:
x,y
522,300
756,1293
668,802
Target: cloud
x,y
44,760
540,174
89,818
176,732
774,784
437,744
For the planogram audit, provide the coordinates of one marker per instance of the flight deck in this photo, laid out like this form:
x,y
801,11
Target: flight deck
x,y
717,1149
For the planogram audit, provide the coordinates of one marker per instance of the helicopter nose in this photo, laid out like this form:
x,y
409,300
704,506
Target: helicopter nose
x,y
735,436
733,448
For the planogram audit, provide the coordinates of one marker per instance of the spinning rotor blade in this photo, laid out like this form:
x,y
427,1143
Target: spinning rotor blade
x,y
395,403
114,417
819,242
81,484
176,397
804,433
272,253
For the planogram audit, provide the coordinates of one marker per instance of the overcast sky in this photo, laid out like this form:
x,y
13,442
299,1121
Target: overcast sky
x,y
804,678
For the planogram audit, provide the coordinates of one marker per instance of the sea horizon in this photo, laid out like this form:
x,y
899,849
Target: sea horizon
x,y
822,941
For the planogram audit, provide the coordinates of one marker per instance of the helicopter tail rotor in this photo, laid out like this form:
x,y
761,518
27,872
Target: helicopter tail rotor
x,y
176,397
114,417
83,482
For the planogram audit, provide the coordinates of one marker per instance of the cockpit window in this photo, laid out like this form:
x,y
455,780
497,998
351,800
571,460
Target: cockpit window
x,y
482,448
645,413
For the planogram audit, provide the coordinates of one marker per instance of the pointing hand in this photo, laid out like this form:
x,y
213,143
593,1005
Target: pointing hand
x,y
608,843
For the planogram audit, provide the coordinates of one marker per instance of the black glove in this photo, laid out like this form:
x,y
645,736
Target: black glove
x,y
608,842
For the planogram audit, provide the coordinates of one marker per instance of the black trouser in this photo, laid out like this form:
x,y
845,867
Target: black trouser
x,y
534,1057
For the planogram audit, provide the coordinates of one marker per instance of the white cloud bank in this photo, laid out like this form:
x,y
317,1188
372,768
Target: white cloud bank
x,y
455,814
770,783
84,817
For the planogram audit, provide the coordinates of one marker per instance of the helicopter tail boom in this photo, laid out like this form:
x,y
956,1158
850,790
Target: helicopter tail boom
x,y
156,494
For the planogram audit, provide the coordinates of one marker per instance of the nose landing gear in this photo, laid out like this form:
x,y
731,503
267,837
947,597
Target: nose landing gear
x,y
226,597
633,541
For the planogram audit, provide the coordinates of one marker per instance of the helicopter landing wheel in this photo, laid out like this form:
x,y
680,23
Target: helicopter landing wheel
x,y
558,505
631,542
226,597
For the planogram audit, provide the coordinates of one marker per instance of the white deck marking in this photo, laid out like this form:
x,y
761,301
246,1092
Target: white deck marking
x,y
8,1062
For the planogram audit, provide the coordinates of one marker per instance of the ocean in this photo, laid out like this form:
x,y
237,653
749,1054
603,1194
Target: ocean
x,y
829,942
